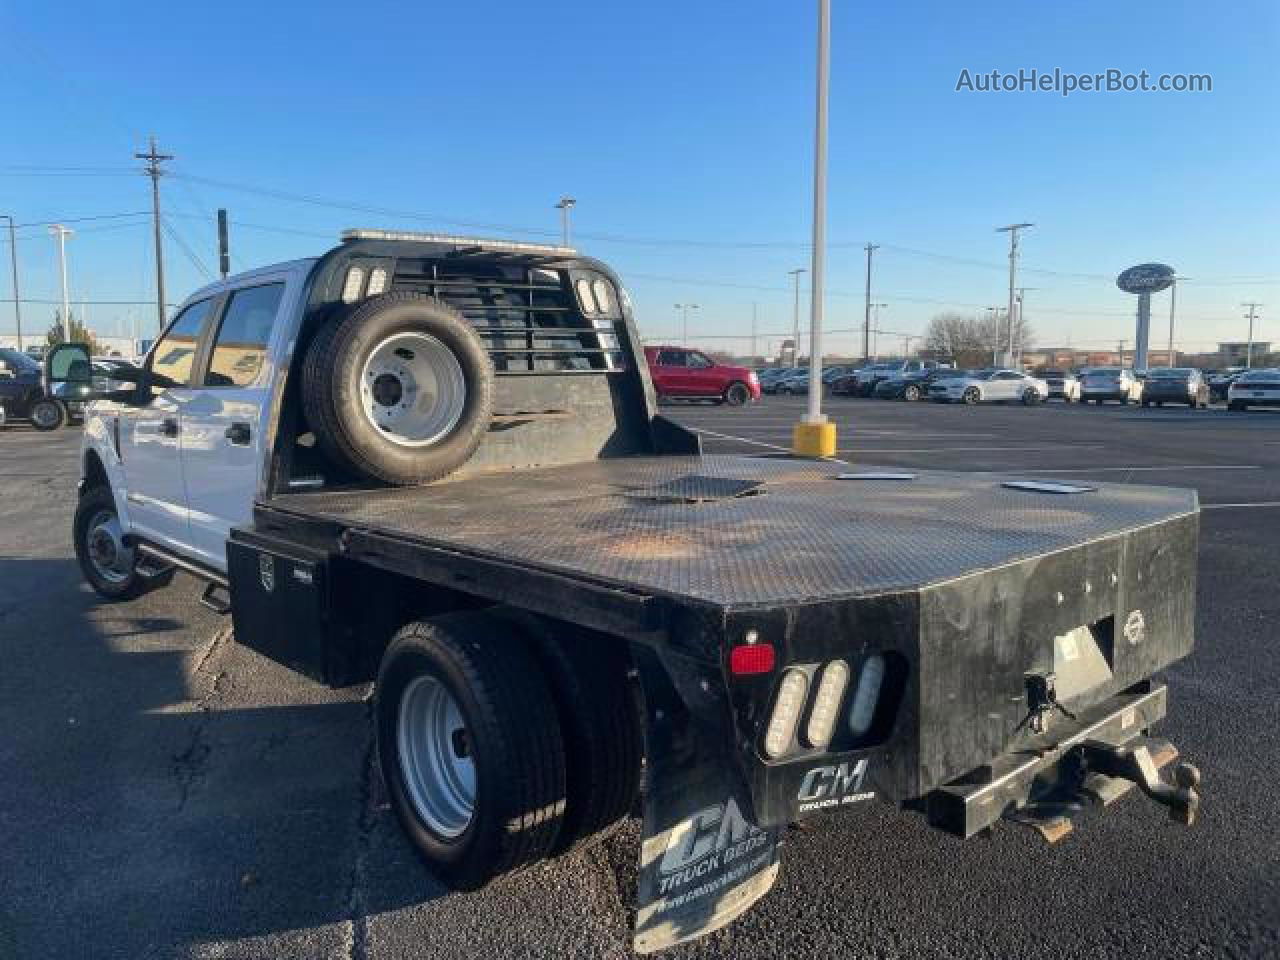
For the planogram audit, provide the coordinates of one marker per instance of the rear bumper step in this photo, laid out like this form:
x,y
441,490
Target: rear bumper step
x,y
1095,759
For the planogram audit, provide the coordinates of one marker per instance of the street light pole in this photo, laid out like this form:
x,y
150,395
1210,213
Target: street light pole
x,y
61,232
819,252
566,204
684,309
13,262
1012,229
875,330
1173,307
866,319
795,317
1248,349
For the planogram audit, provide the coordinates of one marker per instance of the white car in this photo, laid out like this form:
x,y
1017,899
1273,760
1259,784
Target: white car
x,y
1100,384
986,386
1257,388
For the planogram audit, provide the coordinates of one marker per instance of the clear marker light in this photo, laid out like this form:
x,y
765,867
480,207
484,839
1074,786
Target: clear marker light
x,y
786,713
863,710
352,286
826,703
377,281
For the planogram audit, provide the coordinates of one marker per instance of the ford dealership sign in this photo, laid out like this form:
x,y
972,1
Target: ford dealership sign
x,y
1145,278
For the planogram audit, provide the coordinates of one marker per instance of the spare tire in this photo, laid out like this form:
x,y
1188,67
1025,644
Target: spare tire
x,y
400,389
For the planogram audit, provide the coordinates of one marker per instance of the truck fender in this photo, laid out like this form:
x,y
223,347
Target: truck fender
x,y
703,861
100,464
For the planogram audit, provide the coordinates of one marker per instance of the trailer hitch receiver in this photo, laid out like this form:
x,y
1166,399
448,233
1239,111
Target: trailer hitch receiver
x,y
1138,766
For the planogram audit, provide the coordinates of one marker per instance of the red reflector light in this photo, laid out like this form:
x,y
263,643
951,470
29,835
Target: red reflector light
x,y
751,658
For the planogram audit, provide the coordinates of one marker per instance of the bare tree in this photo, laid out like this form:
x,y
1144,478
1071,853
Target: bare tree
x,y
958,338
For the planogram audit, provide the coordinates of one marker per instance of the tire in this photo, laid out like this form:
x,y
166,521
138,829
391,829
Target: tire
x,y
107,563
345,395
912,393
1030,397
600,715
1237,405
1159,404
47,414
972,395
509,733
737,395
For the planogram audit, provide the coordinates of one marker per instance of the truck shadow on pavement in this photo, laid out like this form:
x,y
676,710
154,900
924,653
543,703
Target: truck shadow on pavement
x,y
168,788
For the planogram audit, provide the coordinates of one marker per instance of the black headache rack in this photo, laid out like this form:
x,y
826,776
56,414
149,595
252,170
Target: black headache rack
x,y
571,381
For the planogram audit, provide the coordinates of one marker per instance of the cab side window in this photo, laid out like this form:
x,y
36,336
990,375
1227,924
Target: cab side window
x,y
699,362
672,358
175,354
240,350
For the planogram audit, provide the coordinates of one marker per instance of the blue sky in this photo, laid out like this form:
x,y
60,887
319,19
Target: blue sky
x,y
684,130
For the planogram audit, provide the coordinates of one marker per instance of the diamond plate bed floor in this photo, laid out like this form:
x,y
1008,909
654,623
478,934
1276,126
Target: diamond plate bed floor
x,y
734,530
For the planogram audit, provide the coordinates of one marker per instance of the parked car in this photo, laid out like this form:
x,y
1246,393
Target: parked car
x,y
911,386
793,384
684,374
1255,388
1100,384
770,378
1063,384
23,395
1175,385
986,386
865,380
1220,382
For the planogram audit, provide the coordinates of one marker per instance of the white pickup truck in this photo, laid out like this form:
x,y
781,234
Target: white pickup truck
x,y
437,463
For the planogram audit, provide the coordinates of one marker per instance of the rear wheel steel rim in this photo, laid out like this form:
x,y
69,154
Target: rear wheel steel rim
x,y
412,389
111,559
45,414
435,757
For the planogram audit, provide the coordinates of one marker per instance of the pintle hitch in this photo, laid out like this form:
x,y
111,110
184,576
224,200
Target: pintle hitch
x,y
1137,765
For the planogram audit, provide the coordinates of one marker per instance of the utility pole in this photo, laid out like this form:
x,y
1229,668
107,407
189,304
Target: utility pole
x,y
684,308
1248,350
154,171
566,204
753,333
1122,343
866,320
61,232
1012,229
795,317
13,261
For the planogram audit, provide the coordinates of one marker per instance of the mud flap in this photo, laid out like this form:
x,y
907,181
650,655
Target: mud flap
x,y
703,862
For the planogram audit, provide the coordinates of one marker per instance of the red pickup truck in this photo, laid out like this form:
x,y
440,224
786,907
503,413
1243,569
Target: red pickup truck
x,y
681,373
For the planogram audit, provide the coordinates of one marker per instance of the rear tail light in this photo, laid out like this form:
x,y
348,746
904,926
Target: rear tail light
x,y
826,703
862,712
751,658
786,713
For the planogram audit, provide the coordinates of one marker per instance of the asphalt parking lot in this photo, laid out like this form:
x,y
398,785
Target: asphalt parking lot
x,y
166,793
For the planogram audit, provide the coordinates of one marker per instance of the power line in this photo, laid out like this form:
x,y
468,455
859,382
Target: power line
x,y
195,259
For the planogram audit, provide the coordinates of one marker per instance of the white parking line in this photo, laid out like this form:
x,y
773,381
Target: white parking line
x,y
1238,506
1179,466
754,443
1056,446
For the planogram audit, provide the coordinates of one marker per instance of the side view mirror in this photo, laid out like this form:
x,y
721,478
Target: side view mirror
x,y
69,364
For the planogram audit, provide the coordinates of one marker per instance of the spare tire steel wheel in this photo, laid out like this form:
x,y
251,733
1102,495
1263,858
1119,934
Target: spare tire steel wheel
x,y
399,390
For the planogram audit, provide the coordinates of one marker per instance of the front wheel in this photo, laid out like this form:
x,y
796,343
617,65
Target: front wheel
x,y
737,395
107,561
47,414
972,395
1031,397
470,746
912,393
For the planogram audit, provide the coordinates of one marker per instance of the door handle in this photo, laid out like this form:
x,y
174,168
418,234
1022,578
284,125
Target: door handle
x,y
169,427
238,434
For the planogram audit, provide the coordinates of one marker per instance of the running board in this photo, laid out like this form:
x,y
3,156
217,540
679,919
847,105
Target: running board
x,y
195,569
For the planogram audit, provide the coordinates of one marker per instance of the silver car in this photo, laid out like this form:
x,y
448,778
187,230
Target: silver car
x,y
1100,384
989,386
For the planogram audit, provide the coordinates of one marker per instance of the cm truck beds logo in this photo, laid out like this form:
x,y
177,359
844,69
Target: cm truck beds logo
x,y
833,786
710,840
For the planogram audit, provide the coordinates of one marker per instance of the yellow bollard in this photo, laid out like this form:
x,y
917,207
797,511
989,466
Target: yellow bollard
x,y
814,439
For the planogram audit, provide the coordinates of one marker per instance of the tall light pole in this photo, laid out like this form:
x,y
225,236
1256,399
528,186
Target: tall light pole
x,y
875,329
795,317
13,262
566,204
61,232
1173,307
866,319
1248,349
684,309
815,439
753,333
993,316
1012,229
1017,329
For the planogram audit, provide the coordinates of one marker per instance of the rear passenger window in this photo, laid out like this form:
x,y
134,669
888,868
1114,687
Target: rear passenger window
x,y
174,355
240,350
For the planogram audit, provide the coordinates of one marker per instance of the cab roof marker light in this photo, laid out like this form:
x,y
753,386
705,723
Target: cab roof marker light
x,y
786,713
353,285
826,703
862,712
